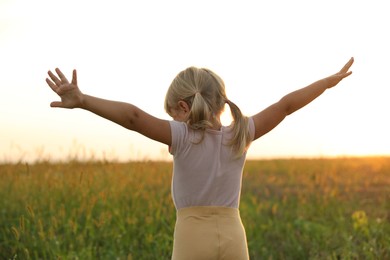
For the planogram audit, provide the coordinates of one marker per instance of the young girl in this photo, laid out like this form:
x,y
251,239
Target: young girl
x,y
208,158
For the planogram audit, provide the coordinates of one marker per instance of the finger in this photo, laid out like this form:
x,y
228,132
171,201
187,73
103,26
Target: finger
x,y
347,65
350,62
56,104
74,78
347,74
62,76
54,78
53,86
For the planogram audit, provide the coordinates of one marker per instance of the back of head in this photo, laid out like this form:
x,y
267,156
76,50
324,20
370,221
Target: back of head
x,y
204,92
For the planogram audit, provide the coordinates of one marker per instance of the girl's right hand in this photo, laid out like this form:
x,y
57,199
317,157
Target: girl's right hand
x,y
71,96
335,79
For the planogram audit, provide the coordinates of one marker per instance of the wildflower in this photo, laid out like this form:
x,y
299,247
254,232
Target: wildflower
x,y
360,221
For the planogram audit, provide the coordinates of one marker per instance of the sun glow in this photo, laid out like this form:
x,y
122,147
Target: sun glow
x,y
262,53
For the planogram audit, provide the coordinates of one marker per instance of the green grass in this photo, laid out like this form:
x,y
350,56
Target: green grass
x,y
291,209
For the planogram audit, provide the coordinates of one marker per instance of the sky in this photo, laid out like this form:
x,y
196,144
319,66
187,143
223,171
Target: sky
x,y
131,50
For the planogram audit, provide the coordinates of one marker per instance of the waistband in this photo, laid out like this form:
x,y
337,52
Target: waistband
x,y
207,211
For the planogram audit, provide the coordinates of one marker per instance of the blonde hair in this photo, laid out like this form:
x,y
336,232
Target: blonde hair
x,y
204,92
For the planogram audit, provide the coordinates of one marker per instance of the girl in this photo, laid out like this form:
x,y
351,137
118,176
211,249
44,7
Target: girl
x,y
208,157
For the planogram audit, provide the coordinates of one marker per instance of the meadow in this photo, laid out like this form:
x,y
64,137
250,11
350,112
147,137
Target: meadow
x,y
292,209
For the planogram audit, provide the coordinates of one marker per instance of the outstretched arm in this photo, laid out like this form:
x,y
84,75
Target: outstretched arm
x,y
270,117
124,114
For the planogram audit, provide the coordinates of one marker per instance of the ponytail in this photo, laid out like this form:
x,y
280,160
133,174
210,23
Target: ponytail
x,y
198,118
241,138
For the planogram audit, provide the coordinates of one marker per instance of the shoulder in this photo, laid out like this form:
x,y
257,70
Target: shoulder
x,y
177,127
179,134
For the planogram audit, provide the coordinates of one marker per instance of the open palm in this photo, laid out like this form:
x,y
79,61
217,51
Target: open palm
x,y
70,94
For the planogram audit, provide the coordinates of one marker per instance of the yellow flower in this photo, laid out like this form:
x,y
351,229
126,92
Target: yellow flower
x,y
360,221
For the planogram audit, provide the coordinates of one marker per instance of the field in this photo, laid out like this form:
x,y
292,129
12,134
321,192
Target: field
x,y
291,209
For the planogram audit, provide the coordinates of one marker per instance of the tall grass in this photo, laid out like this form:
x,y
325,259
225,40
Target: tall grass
x,y
292,209
318,209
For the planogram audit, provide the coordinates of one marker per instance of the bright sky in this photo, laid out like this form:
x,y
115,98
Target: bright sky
x,y
131,50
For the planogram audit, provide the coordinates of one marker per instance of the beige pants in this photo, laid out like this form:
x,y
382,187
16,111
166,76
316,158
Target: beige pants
x,y
209,233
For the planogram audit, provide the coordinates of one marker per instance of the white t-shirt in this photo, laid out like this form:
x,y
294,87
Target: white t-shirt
x,y
205,173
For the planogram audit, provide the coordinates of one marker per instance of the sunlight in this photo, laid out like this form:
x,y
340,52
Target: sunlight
x,y
226,117
129,52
